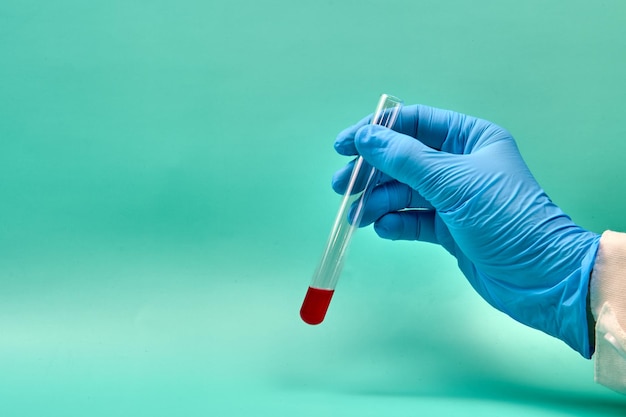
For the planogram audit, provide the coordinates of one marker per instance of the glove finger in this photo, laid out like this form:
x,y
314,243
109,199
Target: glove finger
x,y
341,178
421,225
400,156
428,124
408,225
344,143
390,197
439,129
447,130
405,123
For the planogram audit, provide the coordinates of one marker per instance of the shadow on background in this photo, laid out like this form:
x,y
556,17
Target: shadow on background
x,y
443,358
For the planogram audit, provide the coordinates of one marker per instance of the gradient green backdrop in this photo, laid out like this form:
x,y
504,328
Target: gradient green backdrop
x,y
164,198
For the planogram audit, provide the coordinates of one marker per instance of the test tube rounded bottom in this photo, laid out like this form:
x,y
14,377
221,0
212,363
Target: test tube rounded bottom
x,y
315,305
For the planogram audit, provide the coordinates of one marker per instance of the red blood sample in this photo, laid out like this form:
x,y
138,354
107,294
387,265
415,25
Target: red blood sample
x,y
315,305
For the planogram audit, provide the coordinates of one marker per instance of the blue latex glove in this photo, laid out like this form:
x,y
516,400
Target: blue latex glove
x,y
515,246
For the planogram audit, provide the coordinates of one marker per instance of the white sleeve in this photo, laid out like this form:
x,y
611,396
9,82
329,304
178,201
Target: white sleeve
x,y
608,306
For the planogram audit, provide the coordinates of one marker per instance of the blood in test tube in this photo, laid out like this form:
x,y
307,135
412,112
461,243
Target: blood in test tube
x,y
315,305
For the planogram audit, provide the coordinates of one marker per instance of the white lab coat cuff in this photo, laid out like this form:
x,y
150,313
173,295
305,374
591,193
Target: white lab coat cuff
x,y
608,306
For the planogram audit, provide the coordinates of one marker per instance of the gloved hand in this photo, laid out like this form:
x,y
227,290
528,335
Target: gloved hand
x,y
481,203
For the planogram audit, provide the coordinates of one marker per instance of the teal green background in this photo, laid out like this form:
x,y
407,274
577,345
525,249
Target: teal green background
x,y
164,199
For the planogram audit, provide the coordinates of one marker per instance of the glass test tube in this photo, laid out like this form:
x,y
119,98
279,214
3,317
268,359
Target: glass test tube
x,y
326,275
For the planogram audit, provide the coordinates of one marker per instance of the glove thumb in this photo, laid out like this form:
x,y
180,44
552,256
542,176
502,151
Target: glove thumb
x,y
400,156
